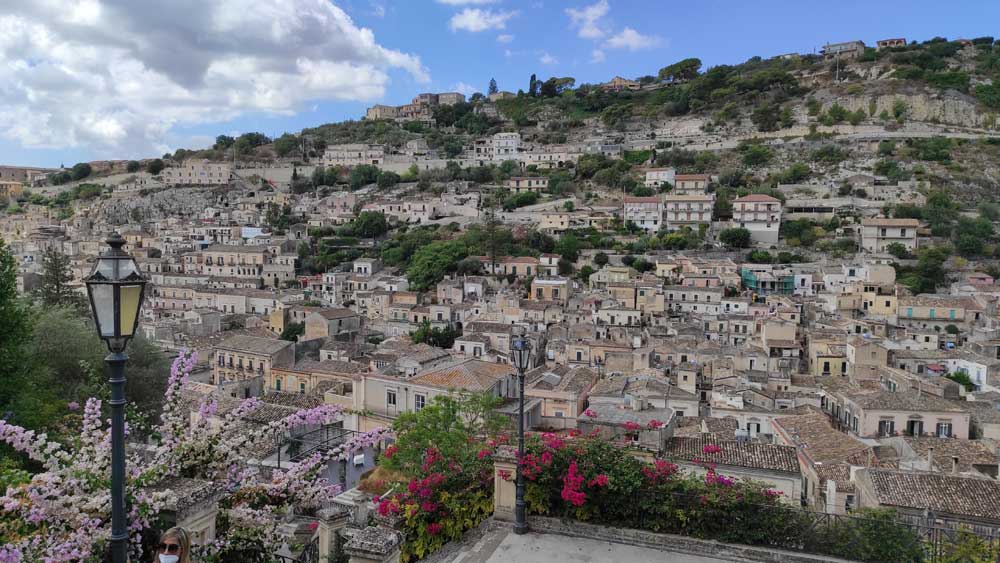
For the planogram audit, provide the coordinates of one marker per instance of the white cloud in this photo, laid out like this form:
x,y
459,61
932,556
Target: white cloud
x,y
505,38
378,10
597,56
587,19
475,20
632,40
100,74
467,89
547,59
466,2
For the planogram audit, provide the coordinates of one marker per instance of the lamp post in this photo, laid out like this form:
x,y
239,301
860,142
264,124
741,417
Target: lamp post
x,y
520,355
115,288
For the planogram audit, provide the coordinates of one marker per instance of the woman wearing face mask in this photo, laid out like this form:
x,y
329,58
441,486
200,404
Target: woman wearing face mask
x,y
174,546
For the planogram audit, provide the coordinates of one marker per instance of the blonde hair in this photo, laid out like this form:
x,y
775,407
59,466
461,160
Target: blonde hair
x,y
183,539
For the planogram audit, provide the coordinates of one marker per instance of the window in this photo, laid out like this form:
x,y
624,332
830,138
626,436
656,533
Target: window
x,y
849,503
250,365
944,430
886,428
277,384
909,311
418,401
302,388
390,398
579,356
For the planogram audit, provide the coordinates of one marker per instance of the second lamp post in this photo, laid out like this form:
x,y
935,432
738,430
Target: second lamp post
x,y
520,356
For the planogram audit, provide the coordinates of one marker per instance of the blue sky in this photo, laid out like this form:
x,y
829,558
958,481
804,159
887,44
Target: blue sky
x,y
83,96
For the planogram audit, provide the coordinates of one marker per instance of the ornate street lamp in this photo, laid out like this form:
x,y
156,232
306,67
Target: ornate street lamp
x,y
115,288
520,356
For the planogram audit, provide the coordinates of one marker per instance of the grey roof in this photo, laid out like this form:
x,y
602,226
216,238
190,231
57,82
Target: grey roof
x,y
254,344
962,496
615,414
751,455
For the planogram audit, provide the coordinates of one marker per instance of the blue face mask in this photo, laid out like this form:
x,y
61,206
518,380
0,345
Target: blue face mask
x,y
164,558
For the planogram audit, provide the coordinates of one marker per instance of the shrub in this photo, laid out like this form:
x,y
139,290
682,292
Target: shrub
x,y
735,237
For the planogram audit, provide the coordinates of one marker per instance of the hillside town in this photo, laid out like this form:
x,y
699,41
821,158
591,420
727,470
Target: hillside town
x,y
807,300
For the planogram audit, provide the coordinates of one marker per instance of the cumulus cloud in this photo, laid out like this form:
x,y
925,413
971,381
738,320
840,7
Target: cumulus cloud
x,y
632,40
111,76
505,38
463,88
547,59
587,20
475,20
597,56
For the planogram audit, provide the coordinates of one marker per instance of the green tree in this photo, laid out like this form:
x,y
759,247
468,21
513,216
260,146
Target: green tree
x,y
54,289
154,166
493,87
756,154
362,175
600,259
585,273
533,86
223,142
293,331
132,166
898,250
430,263
370,224
686,69
387,179
439,337
445,424
735,237
285,144
80,171
568,247
16,331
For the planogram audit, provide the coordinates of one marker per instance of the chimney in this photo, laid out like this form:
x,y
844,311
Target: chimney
x,y
930,459
954,465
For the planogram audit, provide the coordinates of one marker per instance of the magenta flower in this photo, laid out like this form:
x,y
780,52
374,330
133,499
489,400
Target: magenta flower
x,y
711,449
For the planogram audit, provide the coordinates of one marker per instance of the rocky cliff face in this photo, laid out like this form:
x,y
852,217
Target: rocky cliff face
x,y
180,202
950,108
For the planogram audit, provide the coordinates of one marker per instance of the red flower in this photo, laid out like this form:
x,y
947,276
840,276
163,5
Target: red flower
x,y
571,486
546,458
631,426
654,424
434,528
483,453
390,451
599,481
552,441
711,449
505,475
660,471
428,506
590,413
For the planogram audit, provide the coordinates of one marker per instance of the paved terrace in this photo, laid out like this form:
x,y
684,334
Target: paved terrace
x,y
574,542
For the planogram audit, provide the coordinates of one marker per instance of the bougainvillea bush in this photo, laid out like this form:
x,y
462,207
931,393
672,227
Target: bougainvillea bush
x,y
592,480
63,512
446,452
